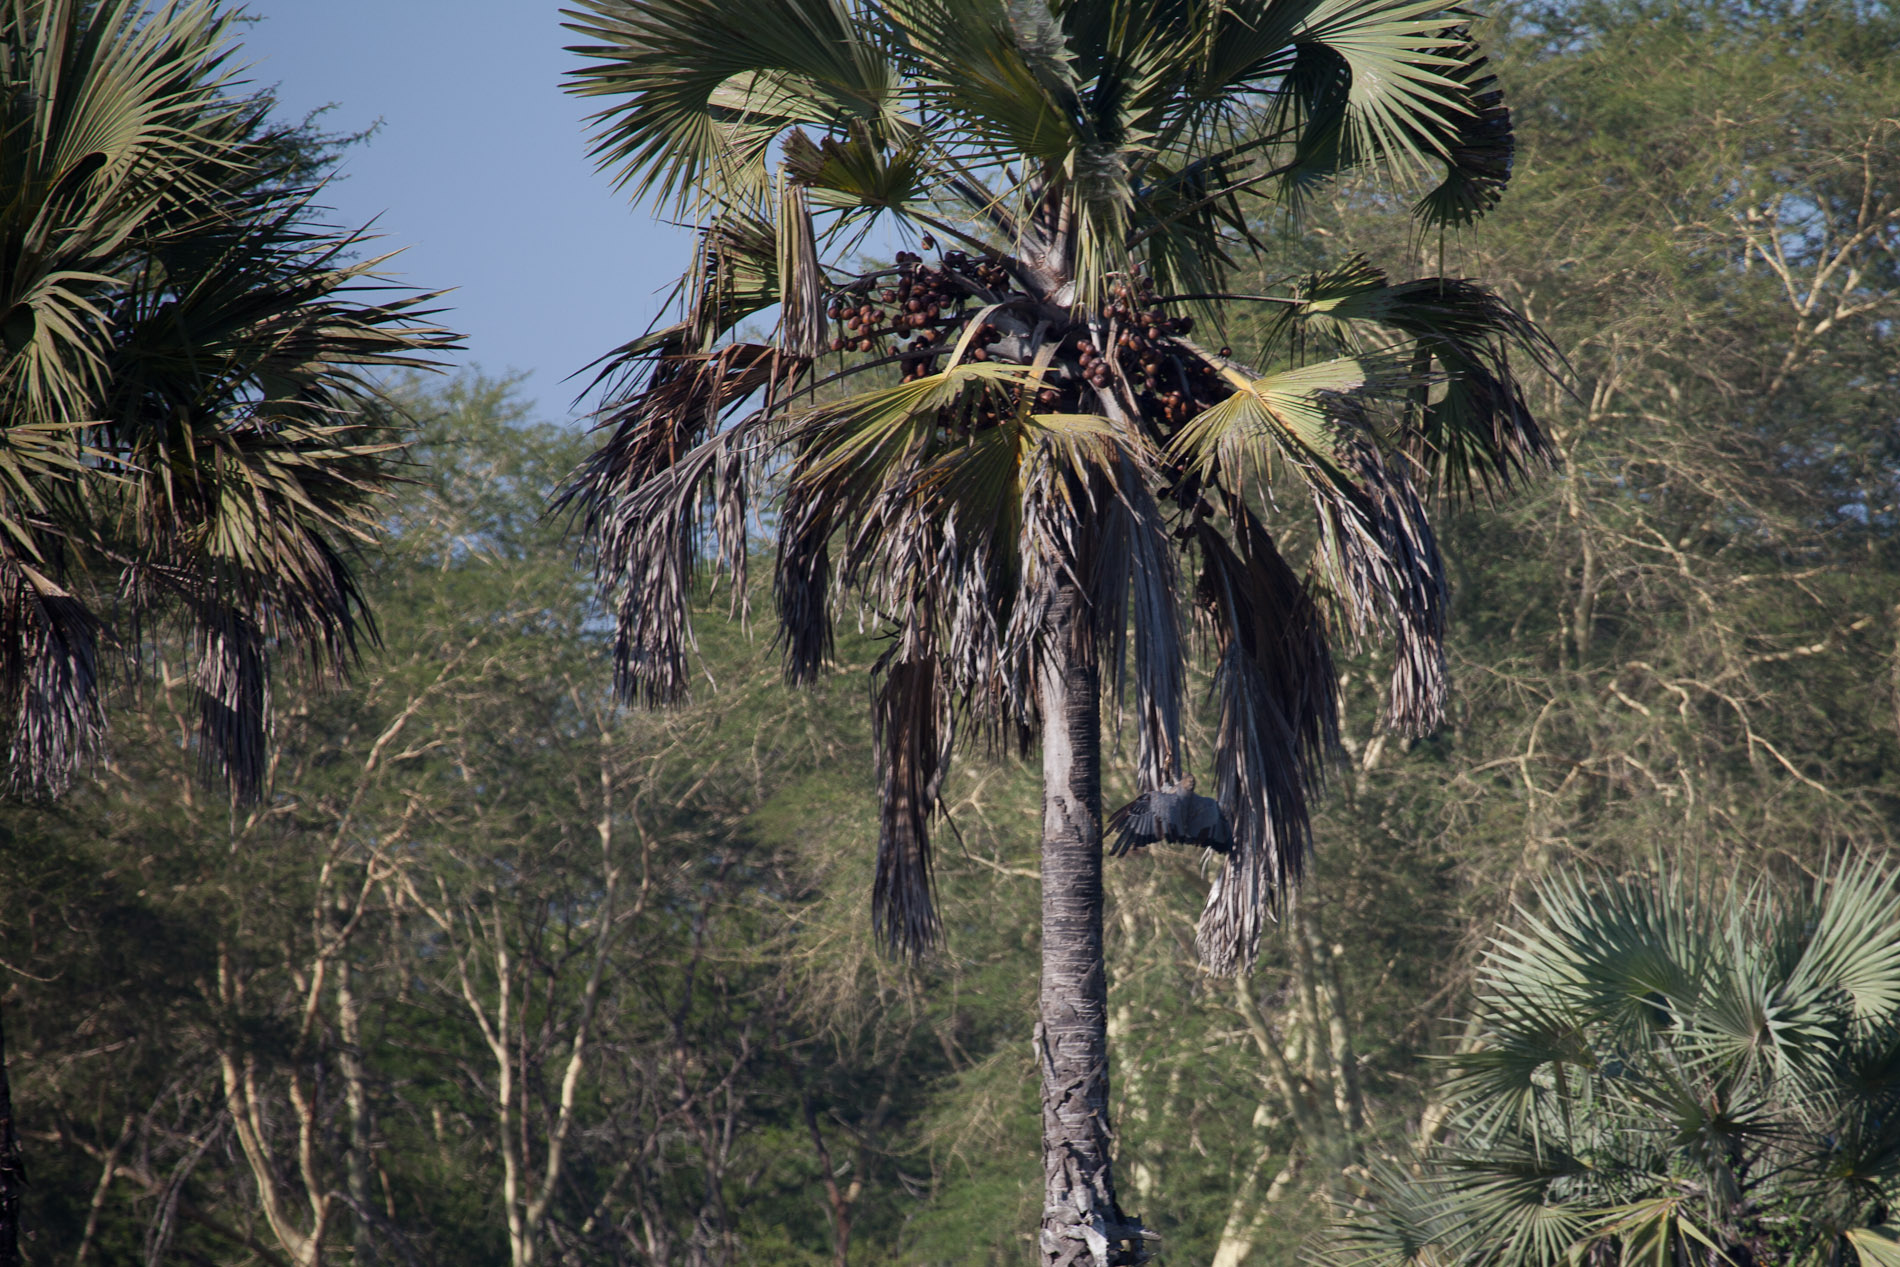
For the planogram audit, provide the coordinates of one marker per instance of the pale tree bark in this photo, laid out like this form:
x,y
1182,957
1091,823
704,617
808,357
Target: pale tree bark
x,y
356,1098
1247,1213
1082,1222
244,1100
1146,1097
1320,964
108,1171
121,1160
1143,1168
1317,1084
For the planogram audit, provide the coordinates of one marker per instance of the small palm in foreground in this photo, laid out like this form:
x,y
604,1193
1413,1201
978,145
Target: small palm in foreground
x,y
1672,1076
1001,449
182,382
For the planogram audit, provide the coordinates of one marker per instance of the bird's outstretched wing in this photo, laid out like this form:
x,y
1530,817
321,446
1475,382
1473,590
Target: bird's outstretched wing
x,y
1133,825
1203,823
1167,814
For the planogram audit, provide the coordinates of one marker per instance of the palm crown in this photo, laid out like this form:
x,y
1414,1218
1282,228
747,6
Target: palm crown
x,y
183,383
1048,411
1670,1074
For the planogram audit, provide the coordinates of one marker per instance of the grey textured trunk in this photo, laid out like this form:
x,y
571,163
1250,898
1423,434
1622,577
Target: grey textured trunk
x,y
12,1171
1081,1220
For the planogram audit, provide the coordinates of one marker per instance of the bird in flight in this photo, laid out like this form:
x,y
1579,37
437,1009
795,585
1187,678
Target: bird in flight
x,y
1172,813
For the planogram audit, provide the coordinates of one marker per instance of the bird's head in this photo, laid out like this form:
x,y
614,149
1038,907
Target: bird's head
x,y
1186,784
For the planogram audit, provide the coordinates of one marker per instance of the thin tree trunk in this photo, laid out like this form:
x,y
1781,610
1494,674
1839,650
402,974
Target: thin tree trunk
x,y
1081,1220
356,1097
12,1170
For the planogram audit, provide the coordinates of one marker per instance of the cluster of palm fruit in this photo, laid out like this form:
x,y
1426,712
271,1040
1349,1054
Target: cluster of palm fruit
x,y
920,308
1164,379
912,301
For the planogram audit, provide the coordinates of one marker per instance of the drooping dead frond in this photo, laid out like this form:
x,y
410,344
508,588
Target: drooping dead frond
x,y
233,687
653,428
914,729
801,584
801,277
1278,728
1135,581
667,490
651,541
50,643
1389,576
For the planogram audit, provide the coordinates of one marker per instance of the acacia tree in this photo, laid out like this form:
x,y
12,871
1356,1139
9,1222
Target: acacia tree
x,y
1003,449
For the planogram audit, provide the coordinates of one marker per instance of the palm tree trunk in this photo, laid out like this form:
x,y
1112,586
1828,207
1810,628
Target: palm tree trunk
x,y
12,1171
1081,1219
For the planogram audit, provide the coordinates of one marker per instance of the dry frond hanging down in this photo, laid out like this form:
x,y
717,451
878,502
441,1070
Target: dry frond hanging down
x,y
233,682
1135,583
51,674
802,331
1405,572
1277,731
914,729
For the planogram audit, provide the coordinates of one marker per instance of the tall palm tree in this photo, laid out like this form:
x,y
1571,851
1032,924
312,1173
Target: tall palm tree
x,y
1670,1074
1002,447
183,393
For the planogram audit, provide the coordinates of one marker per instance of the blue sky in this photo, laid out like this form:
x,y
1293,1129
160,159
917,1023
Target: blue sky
x,y
480,171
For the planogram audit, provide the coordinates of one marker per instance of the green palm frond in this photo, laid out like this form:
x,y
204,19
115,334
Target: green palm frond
x,y
1681,1068
1299,417
1403,102
1851,942
693,77
860,172
1474,428
1877,1246
1478,163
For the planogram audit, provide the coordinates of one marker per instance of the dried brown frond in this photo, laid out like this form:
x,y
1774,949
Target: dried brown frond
x,y
914,730
1278,729
666,491
51,673
801,276
1135,582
